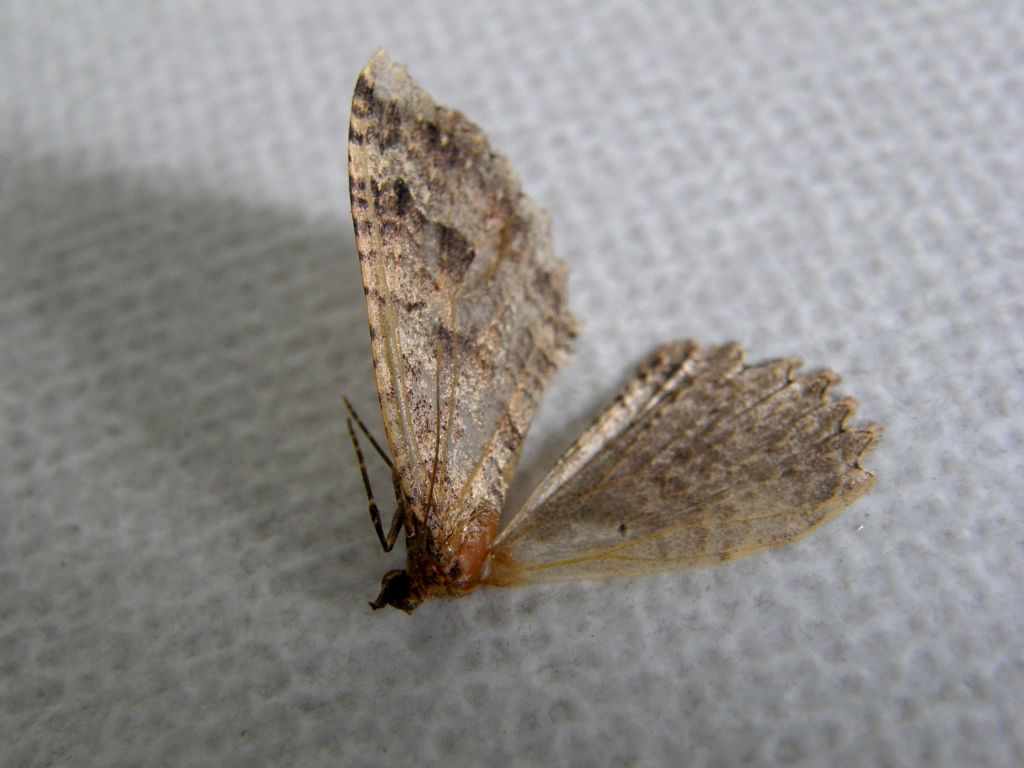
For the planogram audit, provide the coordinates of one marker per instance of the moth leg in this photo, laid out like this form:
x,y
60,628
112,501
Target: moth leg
x,y
387,542
365,431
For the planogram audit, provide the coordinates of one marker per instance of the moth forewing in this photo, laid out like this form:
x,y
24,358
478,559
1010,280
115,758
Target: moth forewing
x,y
466,305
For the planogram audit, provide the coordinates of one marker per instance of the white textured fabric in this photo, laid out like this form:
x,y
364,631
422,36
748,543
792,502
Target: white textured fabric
x,y
185,554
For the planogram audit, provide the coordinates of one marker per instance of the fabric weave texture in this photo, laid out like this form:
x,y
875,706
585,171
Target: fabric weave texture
x,y
185,554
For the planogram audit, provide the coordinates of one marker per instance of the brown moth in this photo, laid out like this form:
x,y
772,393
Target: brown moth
x,y
702,458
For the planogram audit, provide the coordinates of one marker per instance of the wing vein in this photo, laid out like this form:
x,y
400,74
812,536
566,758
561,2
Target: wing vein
x,y
609,553
392,353
651,416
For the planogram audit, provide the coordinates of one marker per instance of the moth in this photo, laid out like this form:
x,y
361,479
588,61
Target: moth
x,y
700,459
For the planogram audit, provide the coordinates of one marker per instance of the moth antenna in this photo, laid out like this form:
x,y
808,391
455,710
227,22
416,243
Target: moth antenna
x,y
380,451
387,542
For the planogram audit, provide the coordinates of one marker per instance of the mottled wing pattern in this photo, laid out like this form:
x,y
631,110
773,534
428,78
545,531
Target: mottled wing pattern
x,y
701,459
465,298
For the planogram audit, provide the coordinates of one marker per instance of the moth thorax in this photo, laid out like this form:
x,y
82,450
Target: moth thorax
x,y
467,550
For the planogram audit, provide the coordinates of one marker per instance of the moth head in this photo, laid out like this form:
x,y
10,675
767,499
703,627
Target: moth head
x,y
398,591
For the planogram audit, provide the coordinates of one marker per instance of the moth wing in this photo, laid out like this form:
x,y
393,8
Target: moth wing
x,y
701,459
466,300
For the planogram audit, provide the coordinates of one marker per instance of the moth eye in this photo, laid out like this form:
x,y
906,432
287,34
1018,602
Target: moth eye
x,y
396,589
